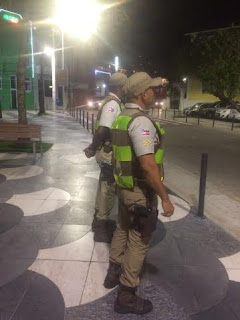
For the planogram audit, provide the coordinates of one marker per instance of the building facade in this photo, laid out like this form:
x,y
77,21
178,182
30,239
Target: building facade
x,y
10,41
193,91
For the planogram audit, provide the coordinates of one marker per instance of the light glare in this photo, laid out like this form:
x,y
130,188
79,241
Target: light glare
x,y
90,104
116,64
48,51
78,17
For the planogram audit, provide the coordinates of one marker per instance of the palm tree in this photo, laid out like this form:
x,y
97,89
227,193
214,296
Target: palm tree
x,y
22,64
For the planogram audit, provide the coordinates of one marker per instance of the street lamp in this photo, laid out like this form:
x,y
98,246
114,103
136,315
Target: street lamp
x,y
51,53
184,80
78,17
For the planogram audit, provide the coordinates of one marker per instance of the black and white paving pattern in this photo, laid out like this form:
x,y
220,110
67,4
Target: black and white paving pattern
x,y
50,267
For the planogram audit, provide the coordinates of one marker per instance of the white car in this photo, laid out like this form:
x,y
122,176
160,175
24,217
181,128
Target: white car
x,y
228,114
234,113
222,113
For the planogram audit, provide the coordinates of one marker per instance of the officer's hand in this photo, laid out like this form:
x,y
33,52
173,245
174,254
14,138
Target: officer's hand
x,y
89,153
168,208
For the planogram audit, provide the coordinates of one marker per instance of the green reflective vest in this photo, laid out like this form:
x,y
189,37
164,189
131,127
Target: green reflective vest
x,y
105,101
125,163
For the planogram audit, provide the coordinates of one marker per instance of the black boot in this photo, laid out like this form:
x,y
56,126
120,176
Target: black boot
x,y
128,302
113,275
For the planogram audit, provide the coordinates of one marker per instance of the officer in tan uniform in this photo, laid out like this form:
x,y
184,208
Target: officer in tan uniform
x,y
137,161
101,147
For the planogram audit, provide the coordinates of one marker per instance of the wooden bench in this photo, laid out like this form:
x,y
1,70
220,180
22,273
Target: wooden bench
x,y
12,132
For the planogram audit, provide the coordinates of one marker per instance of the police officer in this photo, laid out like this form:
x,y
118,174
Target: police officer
x,y
137,161
101,147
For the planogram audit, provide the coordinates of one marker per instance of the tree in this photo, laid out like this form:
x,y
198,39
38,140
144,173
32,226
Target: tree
x,y
22,63
214,58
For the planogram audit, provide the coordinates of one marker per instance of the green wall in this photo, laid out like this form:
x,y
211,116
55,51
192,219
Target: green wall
x,y
9,54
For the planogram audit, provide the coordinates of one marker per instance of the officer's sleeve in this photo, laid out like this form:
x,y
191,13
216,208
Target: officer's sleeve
x,y
142,133
109,113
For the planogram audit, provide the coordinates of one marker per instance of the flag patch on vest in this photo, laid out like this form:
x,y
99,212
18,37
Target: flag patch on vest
x,y
145,132
110,109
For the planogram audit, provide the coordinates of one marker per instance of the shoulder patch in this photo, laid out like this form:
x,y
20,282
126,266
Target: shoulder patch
x,y
110,109
146,142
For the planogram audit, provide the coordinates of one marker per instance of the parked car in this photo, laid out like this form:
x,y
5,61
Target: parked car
x,y
222,113
188,110
234,113
215,106
200,110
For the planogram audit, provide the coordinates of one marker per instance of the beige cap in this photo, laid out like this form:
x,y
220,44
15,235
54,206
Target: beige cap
x,y
139,82
118,79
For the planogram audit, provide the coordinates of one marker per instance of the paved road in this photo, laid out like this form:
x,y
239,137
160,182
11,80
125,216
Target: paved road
x,y
185,144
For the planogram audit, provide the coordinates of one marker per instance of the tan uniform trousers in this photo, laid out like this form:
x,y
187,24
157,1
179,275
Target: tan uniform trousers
x,y
128,247
106,192
105,199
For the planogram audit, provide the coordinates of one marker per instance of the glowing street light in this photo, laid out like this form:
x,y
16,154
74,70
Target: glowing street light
x,y
48,51
51,53
78,17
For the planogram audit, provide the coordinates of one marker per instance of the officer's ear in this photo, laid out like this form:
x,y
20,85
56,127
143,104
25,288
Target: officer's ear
x,y
142,96
145,94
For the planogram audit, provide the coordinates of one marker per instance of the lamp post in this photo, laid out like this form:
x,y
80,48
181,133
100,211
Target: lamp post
x,y
184,90
51,53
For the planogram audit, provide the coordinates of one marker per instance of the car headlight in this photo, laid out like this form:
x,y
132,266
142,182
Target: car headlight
x,y
90,103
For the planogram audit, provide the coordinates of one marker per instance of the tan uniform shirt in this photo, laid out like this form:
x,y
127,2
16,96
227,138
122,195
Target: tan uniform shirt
x,y
142,133
110,112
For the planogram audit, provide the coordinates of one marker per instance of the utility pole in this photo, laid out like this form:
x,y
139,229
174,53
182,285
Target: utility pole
x,y
53,73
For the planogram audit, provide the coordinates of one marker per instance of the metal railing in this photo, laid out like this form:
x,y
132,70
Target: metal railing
x,y
177,115
85,117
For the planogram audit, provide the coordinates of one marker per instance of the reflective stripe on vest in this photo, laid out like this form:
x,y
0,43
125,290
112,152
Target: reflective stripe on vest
x,y
105,101
125,161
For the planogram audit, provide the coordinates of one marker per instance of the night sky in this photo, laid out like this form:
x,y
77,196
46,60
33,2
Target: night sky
x,y
154,29
146,32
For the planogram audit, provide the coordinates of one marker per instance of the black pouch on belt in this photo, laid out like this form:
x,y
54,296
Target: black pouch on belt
x,y
107,147
145,220
107,173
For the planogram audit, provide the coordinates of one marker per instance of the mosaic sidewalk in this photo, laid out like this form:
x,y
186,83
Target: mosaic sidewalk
x,y
50,267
